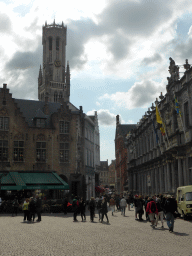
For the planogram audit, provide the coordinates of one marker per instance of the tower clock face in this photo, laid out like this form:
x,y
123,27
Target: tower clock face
x,y
57,63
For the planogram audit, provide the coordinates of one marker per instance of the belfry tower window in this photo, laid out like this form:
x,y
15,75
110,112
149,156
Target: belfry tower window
x,y
50,43
57,44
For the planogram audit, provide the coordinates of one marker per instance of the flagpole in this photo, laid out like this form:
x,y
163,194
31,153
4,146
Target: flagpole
x,y
163,124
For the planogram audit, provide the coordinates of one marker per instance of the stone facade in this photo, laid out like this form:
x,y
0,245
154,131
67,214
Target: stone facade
x,y
160,163
104,173
54,77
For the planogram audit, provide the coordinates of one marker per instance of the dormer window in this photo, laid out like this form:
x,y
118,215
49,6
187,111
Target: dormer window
x,y
40,122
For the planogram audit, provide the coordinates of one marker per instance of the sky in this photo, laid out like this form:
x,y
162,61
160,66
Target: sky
x,y
118,52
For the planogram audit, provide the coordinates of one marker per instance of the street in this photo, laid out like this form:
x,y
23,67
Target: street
x,y
59,235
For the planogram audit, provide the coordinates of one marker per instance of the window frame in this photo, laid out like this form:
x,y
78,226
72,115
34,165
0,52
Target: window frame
x,y
20,151
42,152
64,148
4,150
3,124
64,127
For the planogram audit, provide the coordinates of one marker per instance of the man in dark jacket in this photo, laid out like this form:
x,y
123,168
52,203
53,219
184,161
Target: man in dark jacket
x,y
170,208
92,208
82,206
140,204
32,209
38,207
99,207
104,209
15,206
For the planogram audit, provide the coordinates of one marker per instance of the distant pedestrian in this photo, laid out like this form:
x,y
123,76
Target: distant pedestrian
x,y
123,205
99,207
135,203
117,202
152,210
128,202
160,212
140,204
112,205
92,208
82,206
170,208
38,207
32,209
104,210
15,206
75,208
25,209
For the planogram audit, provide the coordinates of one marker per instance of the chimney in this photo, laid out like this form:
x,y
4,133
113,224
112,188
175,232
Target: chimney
x,y
81,108
117,120
4,86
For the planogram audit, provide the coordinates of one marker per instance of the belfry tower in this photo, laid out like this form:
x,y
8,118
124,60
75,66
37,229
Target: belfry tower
x,y
54,76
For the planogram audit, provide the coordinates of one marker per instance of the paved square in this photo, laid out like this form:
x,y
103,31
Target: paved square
x,y
58,235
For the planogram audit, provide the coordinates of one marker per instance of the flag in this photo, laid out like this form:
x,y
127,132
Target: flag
x,y
159,121
157,138
177,107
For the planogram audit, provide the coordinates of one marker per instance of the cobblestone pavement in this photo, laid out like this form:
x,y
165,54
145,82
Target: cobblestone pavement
x,y
58,235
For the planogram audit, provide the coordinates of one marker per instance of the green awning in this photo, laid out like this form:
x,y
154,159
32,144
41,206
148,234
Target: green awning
x,y
32,180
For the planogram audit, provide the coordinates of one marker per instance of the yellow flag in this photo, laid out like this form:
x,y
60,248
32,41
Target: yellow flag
x,y
159,120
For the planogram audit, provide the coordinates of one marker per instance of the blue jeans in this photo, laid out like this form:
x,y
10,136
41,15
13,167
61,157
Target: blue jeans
x,y
123,210
170,220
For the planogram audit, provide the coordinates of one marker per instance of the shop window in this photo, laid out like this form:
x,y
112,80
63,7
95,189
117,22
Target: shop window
x,y
64,127
18,151
3,150
4,123
41,151
64,152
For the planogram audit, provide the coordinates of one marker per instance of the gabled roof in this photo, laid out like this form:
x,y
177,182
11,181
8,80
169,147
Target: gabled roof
x,y
40,114
31,108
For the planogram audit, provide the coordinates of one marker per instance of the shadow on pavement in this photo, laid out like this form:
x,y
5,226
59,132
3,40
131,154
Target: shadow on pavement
x,y
180,234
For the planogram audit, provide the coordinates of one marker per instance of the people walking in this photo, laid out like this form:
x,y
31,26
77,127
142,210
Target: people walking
x,y
82,206
104,209
152,210
112,205
99,207
117,202
123,205
75,209
135,204
170,208
92,208
25,210
160,212
32,209
140,204
15,206
38,207
128,202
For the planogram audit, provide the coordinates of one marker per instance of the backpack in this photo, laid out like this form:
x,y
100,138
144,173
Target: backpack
x,y
99,204
153,207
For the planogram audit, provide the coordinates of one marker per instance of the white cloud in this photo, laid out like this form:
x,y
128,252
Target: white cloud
x,y
139,95
105,117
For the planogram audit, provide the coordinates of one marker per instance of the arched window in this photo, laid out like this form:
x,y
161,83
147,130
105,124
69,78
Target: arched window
x,y
50,43
55,96
57,44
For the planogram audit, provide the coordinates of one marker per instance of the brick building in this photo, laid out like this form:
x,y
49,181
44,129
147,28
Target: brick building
x,y
50,134
122,130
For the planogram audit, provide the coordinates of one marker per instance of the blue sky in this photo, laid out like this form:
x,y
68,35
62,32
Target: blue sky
x,y
118,53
